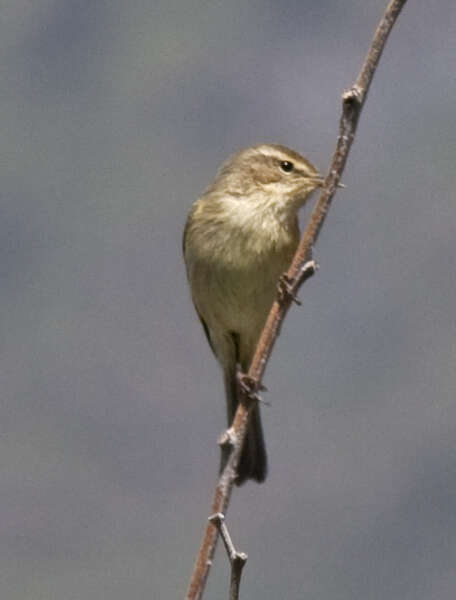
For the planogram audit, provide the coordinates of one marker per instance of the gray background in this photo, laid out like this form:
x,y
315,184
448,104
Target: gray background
x,y
114,116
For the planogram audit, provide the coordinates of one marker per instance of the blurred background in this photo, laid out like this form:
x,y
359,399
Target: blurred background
x,y
114,117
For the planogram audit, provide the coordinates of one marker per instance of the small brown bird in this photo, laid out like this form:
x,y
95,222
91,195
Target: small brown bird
x,y
240,236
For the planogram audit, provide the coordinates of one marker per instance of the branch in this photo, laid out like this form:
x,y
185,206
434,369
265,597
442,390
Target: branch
x,y
237,559
301,268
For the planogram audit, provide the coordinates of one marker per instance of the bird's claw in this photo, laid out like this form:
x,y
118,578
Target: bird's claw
x,y
285,289
250,386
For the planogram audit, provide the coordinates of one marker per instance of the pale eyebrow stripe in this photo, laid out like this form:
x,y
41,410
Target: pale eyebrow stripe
x,y
277,154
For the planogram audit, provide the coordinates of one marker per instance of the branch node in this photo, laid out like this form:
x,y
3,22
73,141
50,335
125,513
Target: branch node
x,y
216,518
227,439
353,96
309,268
240,558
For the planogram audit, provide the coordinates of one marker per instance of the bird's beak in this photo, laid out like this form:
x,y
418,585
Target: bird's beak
x,y
319,180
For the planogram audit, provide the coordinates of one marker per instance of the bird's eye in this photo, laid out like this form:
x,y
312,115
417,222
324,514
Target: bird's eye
x,y
286,166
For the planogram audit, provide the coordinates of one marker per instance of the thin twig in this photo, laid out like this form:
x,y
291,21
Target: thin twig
x,y
352,103
236,571
237,559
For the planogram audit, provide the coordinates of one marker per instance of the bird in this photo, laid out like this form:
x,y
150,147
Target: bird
x,y
239,238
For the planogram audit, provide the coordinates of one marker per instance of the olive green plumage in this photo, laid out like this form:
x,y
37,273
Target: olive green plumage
x,y
240,236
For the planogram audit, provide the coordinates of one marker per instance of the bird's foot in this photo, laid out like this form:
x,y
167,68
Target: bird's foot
x,y
250,386
285,289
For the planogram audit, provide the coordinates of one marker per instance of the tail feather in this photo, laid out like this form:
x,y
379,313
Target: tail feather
x,y
253,461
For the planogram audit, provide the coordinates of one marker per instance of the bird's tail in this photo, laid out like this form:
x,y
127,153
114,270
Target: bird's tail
x,y
253,461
